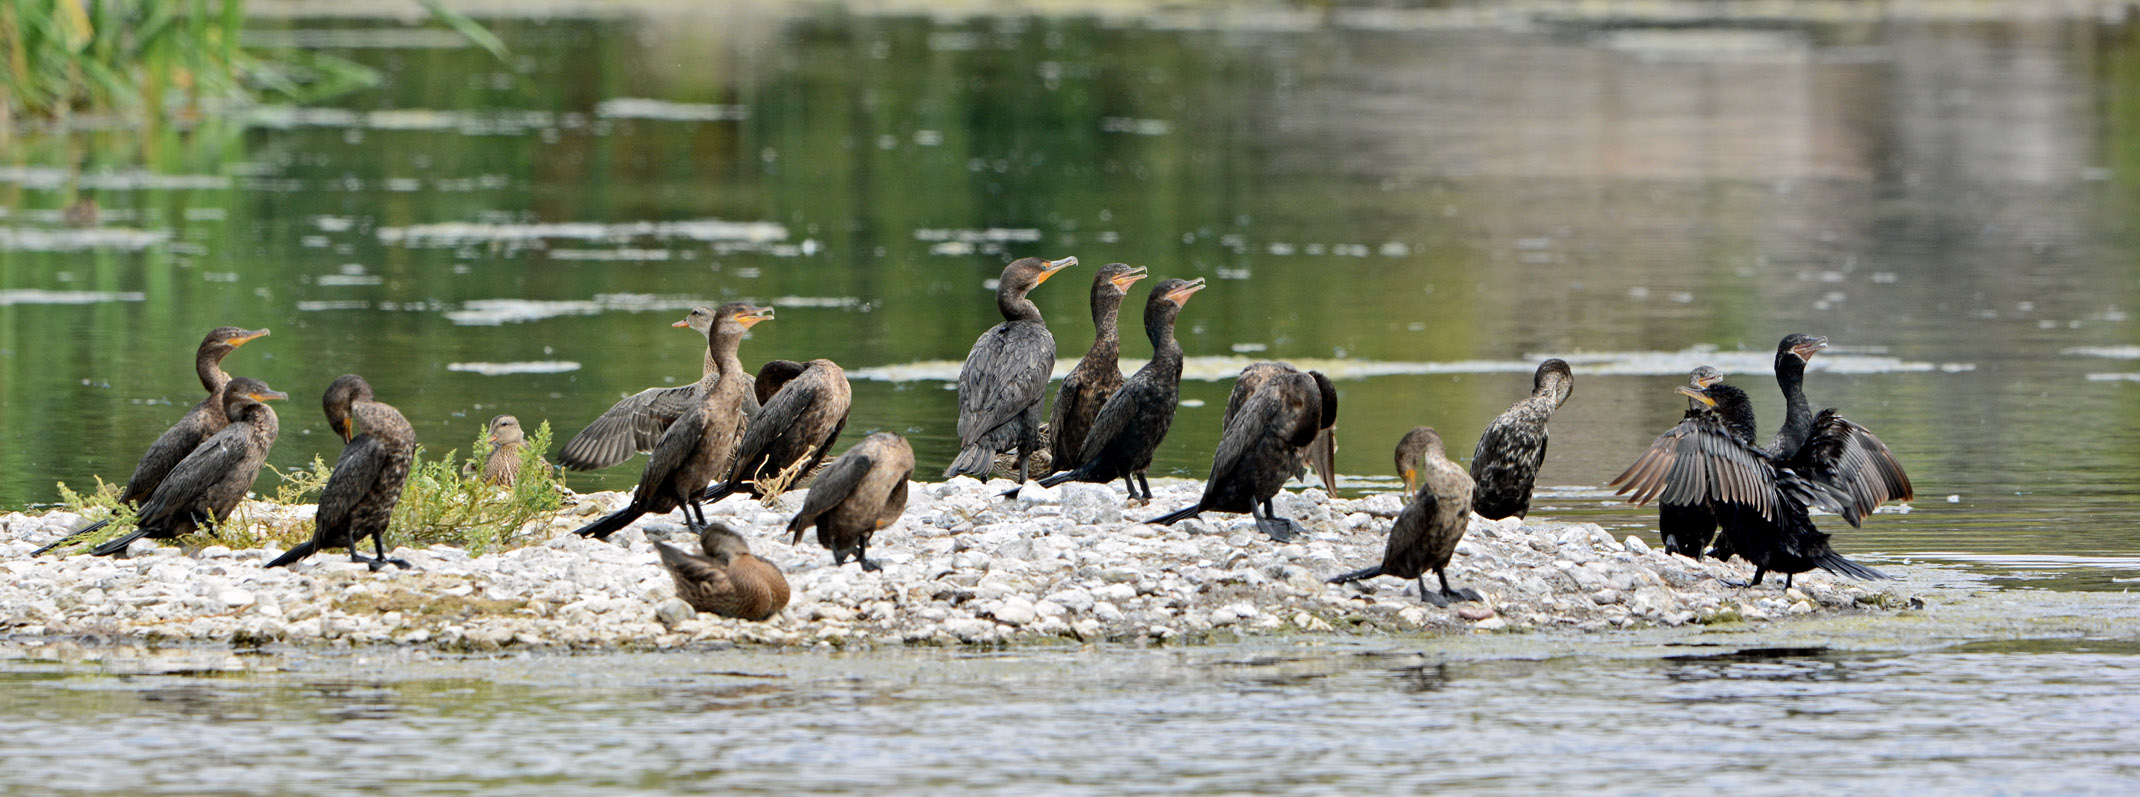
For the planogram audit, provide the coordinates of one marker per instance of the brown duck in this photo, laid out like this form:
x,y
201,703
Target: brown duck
x,y
727,580
507,440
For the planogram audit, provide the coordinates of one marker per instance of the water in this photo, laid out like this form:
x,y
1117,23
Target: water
x,y
1422,202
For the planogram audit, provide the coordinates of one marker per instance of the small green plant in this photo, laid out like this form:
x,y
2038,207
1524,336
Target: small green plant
x,y
98,504
247,529
446,501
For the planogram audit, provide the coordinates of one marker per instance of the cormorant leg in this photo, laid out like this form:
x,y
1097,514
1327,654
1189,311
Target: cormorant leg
x,y
1756,581
1146,484
1465,594
1430,596
862,555
1787,581
1129,483
1273,526
379,547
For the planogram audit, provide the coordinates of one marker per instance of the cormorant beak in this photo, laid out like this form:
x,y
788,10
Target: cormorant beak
x,y
1806,350
349,429
272,395
1180,296
1706,381
1054,266
1697,394
1125,279
753,317
247,337
1411,481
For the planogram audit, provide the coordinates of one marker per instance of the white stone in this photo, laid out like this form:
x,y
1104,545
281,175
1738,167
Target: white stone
x,y
1015,611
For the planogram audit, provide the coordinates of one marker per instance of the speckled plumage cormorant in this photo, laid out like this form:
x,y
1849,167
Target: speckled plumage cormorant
x,y
507,440
198,424
1759,501
360,495
1097,375
1005,378
793,432
1428,529
1273,418
211,480
1135,419
1410,456
861,492
727,579
1505,462
700,442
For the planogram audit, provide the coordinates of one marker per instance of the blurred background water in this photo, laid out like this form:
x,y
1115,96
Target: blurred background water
x,y
1424,202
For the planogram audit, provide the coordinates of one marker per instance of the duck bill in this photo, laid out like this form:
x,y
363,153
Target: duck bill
x,y
1055,266
1806,350
1123,280
248,337
682,324
1697,394
754,317
1180,296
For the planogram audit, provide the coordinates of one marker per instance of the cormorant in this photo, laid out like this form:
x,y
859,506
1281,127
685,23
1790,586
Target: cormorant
x,y
1687,528
1410,452
862,491
1267,433
215,476
771,376
1135,419
1827,447
1320,455
360,495
199,423
698,443
1005,378
635,423
1760,502
727,580
1097,375
506,441
1506,461
793,432
1427,531
1793,353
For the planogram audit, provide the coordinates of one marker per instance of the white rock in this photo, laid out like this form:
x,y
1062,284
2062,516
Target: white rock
x,y
1636,546
674,612
235,598
1015,611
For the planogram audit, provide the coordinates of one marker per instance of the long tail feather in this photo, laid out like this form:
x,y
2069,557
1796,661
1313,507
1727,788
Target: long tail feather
x,y
717,491
295,555
1357,575
972,461
1835,563
85,530
610,523
1177,516
118,545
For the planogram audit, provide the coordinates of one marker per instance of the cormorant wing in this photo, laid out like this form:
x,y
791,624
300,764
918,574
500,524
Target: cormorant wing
x,y
1246,384
170,448
354,474
1251,421
1115,417
773,420
1698,462
1849,459
771,377
1005,373
630,426
834,484
214,460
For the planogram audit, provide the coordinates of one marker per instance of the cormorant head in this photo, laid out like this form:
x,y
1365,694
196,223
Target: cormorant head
x,y
733,318
1412,452
505,430
222,340
1025,274
1704,376
1165,303
1553,378
1802,345
772,375
1113,281
1329,391
346,390
244,392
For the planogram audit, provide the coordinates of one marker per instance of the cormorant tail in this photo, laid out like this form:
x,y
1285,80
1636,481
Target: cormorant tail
x,y
1177,516
717,491
297,554
1061,476
1356,575
72,537
610,523
118,545
1835,563
972,461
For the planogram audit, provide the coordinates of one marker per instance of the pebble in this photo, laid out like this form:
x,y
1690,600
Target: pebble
x,y
961,567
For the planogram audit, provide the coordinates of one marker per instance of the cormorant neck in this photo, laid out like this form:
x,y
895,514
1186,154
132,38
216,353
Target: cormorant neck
x,y
1166,351
1015,307
1107,337
208,363
1797,414
721,352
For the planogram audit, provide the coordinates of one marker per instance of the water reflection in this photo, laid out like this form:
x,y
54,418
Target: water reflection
x,y
1433,206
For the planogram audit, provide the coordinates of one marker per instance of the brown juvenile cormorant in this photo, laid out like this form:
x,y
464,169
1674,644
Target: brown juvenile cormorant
x,y
1410,452
1005,378
771,376
861,492
699,443
793,432
1506,460
1427,531
1135,419
360,495
1097,375
1687,528
506,442
1267,434
1759,501
199,423
727,580
211,480
635,423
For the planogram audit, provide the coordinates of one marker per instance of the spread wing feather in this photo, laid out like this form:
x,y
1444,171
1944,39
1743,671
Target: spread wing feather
x,y
632,425
1849,460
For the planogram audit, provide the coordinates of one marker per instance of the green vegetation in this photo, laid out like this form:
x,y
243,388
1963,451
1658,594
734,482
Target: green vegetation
x,y
446,500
